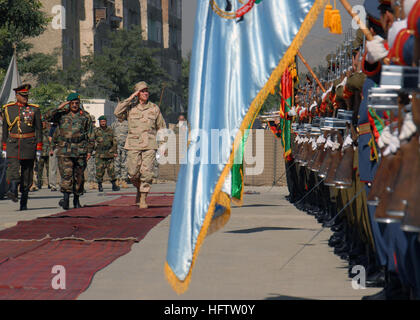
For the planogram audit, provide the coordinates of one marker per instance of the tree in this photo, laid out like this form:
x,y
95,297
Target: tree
x,y
185,77
20,19
124,62
48,95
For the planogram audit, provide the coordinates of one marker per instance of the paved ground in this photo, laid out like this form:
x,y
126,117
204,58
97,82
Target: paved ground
x,y
268,250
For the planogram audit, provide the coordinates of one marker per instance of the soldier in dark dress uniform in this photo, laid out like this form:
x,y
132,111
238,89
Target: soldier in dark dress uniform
x,y
22,142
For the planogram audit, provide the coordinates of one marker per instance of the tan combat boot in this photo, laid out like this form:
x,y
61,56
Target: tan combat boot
x,y
93,186
143,204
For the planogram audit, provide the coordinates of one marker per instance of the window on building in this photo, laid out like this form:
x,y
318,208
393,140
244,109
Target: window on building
x,y
155,31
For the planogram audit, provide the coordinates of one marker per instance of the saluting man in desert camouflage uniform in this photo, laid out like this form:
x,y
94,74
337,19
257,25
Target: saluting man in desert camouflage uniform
x,y
74,146
105,152
144,120
120,128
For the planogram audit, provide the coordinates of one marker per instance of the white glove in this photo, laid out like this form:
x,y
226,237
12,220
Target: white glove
x,y
4,154
408,127
375,49
38,155
347,142
292,112
321,140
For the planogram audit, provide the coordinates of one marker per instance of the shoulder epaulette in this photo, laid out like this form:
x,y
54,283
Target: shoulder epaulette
x,y
9,104
33,105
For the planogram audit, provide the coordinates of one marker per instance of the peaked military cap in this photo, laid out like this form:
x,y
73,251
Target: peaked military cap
x,y
23,90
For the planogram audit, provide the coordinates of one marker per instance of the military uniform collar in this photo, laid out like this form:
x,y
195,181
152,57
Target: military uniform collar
x,y
144,106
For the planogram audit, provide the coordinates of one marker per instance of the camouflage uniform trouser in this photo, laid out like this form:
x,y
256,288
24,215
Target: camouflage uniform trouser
x,y
102,165
21,171
72,174
91,169
44,161
140,168
121,163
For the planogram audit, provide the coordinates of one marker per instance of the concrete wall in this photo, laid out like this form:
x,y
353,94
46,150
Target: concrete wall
x,y
270,152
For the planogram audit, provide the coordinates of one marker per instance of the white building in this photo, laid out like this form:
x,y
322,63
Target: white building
x,y
100,107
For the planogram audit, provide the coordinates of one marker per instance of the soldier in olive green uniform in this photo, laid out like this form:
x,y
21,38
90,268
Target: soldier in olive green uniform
x,y
45,154
22,142
105,152
74,146
144,120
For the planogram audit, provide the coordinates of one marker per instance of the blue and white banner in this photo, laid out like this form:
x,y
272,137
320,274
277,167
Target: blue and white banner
x,y
240,50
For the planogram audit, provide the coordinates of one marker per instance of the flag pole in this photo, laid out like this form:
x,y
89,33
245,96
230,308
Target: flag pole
x,y
359,22
311,71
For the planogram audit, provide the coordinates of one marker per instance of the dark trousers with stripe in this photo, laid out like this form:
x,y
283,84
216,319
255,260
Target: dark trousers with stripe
x,y
21,171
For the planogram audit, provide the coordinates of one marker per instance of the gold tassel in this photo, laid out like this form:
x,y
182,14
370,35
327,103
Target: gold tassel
x,y
273,90
336,22
327,15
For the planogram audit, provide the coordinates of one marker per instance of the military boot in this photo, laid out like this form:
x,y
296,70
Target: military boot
x,y
39,184
33,188
76,203
12,194
24,201
64,203
143,204
138,197
114,186
100,188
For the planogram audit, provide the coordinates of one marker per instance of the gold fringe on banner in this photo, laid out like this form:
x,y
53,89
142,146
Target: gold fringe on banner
x,y
219,197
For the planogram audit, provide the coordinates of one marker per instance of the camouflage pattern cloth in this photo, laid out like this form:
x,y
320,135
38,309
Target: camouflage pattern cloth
x,y
72,174
143,123
102,165
120,164
141,168
91,169
105,149
45,156
75,137
74,140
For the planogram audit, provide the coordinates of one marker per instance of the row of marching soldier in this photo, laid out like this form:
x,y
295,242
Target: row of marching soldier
x,y
356,154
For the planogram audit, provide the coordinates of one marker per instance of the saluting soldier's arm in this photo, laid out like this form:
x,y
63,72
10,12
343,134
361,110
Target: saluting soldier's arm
x,y
121,109
54,115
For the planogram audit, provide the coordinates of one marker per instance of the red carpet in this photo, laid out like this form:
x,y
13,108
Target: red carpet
x,y
32,272
82,240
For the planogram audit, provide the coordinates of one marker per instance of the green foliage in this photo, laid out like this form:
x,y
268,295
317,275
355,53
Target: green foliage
x,y
20,19
185,77
39,65
48,95
120,65
272,103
